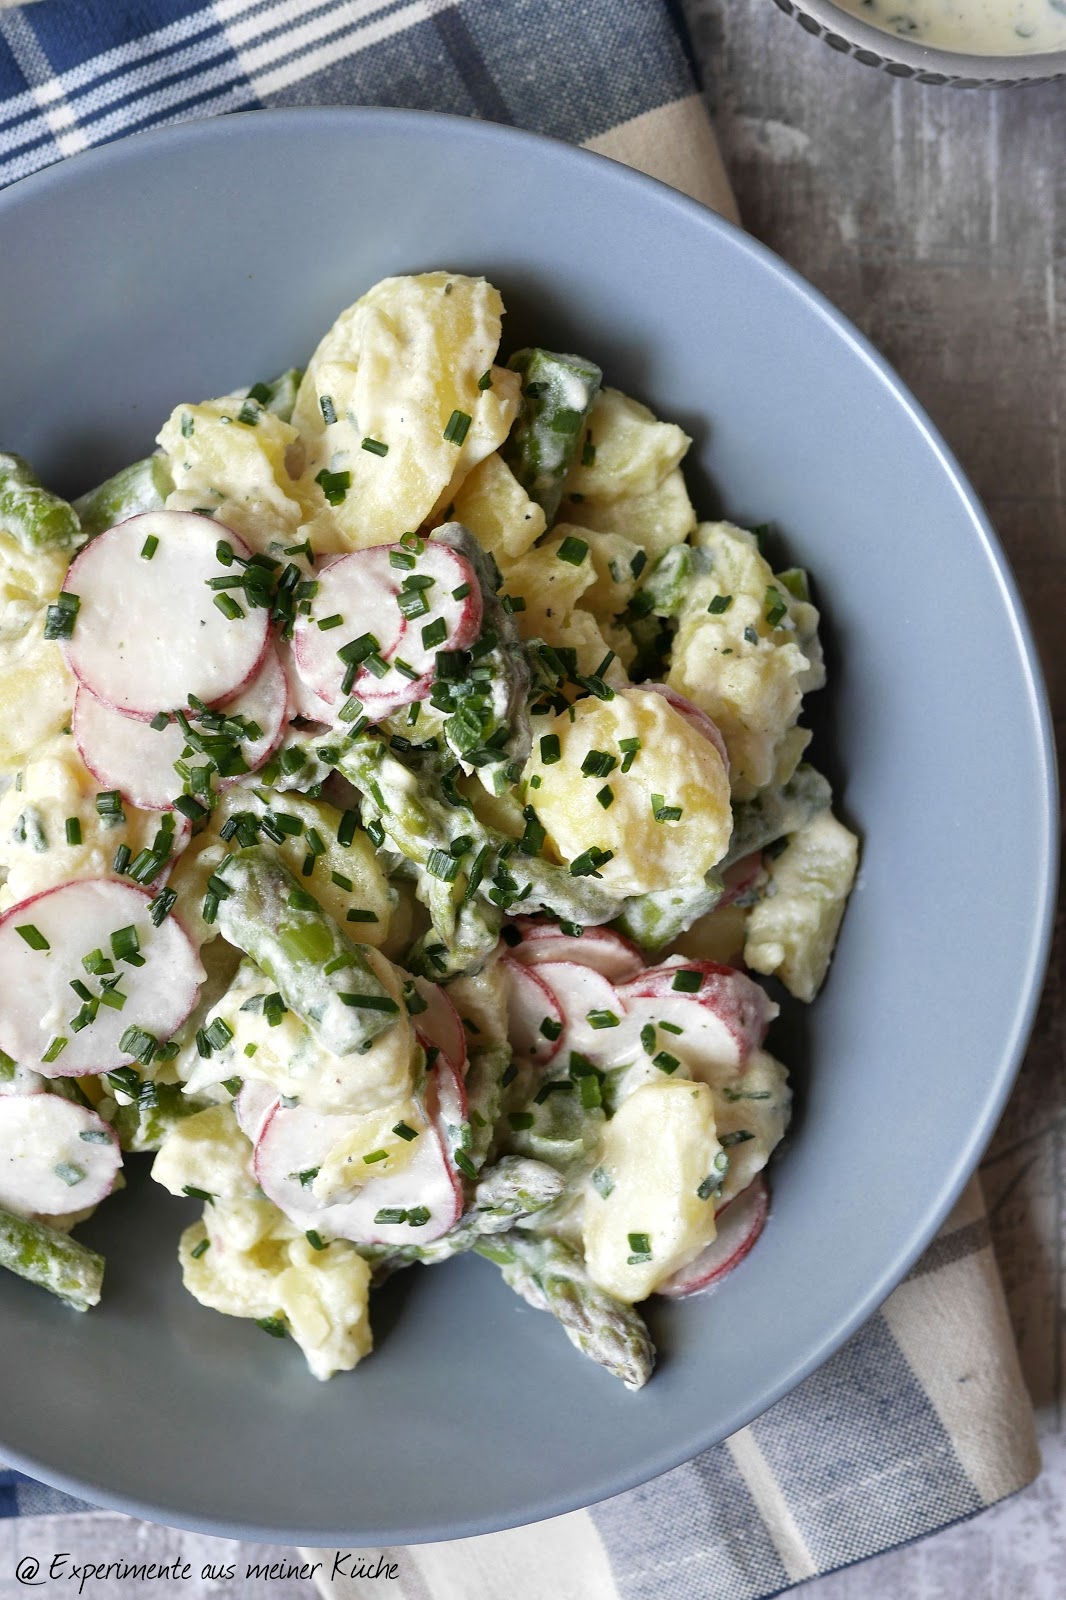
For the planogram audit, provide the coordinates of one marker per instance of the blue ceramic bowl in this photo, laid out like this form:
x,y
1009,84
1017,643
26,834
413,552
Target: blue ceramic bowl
x,y
186,262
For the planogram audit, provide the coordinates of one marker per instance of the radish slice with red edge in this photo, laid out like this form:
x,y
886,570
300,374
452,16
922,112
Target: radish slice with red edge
x,y
441,1023
452,621
719,1015
355,598
534,1020
295,1140
59,929
692,714
253,1105
591,1009
740,1223
126,753
601,948
148,633
55,1156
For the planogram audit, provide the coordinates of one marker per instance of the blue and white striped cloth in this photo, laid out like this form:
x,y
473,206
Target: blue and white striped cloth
x,y
922,1418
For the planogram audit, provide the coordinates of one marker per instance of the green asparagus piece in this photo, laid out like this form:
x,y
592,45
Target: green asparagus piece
x,y
664,589
654,920
143,486
38,519
321,976
557,395
418,819
550,1276
488,725
51,1260
773,813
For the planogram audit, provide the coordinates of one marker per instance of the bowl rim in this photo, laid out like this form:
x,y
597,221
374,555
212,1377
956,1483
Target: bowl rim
x,y
355,121
986,71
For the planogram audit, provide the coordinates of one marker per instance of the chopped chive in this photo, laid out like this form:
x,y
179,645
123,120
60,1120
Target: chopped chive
x,y
123,856
307,1177
629,749
664,813
413,603
109,806
550,1028
61,616
572,550
602,1019
249,414
159,908
485,380
376,1156
687,981
55,1049
727,1140
335,621
665,1062
670,1027
33,936
719,604
776,606
597,764
375,447
465,1165
357,914
602,1182
647,1037
370,1002
589,862
229,607
73,830
272,1325
457,427
434,633
402,1131
550,751
334,485
149,547
188,425
125,945
315,1240
190,808
605,796
417,1216
69,1173
640,1245
325,405
751,634
200,1249
440,864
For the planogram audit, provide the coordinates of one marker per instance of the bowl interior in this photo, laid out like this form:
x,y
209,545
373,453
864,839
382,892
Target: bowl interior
x,y
474,1412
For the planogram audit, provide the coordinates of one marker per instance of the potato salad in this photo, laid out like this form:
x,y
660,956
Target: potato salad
x,y
402,795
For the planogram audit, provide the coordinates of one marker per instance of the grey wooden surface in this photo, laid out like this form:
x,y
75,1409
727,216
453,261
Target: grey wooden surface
x,y
936,219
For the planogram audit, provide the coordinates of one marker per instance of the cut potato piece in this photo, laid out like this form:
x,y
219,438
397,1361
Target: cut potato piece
x,y
792,930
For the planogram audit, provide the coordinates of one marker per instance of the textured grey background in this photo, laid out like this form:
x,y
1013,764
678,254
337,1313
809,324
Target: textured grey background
x,y
936,220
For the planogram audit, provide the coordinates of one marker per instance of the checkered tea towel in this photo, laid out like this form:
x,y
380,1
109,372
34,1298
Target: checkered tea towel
x,y
922,1418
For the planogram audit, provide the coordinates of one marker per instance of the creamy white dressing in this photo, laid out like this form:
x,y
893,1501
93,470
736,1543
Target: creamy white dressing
x,y
982,27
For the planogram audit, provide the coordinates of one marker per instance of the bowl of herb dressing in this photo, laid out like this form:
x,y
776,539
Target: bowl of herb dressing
x,y
965,43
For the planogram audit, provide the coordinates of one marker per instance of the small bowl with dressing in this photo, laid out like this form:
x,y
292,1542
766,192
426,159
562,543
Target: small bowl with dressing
x,y
968,44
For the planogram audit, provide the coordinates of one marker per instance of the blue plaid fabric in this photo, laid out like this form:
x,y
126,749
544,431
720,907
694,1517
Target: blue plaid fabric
x,y
75,75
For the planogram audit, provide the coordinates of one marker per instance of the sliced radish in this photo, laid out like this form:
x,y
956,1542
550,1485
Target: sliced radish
x,y
534,1019
253,1105
441,1023
719,1014
448,1105
455,606
693,715
740,1223
360,589
55,1156
587,1001
147,633
125,752
37,1003
295,1140
600,948
303,701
